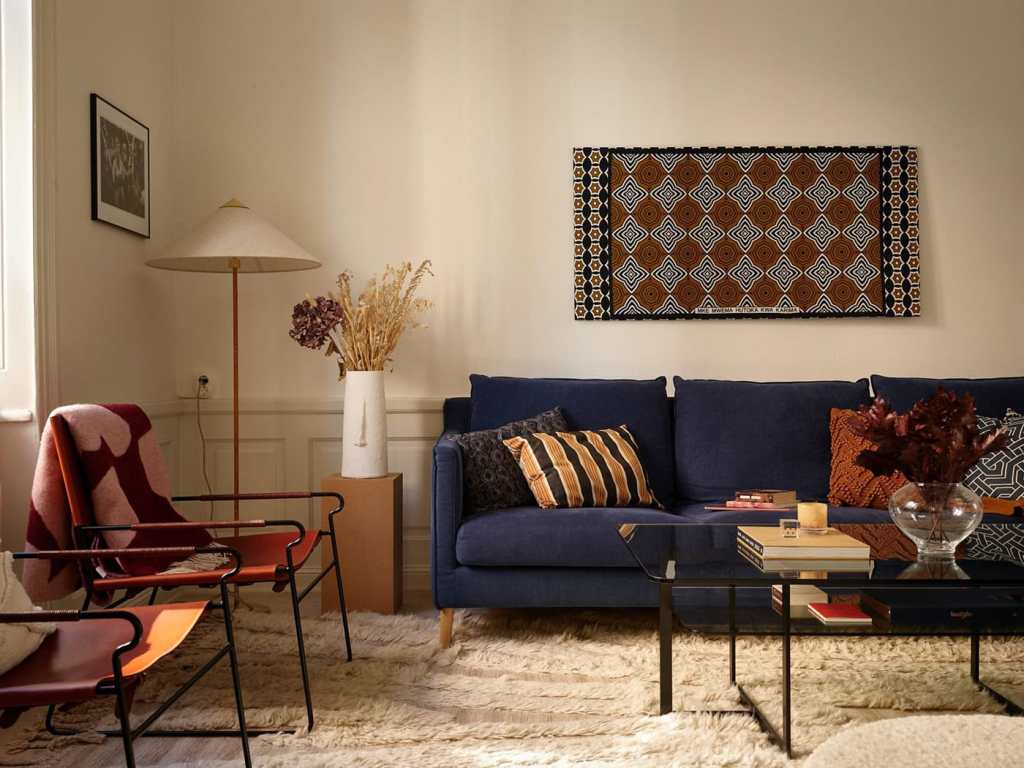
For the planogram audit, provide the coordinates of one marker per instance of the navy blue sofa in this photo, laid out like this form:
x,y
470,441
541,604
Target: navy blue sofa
x,y
700,446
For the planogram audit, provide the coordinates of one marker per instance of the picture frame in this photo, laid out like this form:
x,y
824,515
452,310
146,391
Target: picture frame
x,y
120,168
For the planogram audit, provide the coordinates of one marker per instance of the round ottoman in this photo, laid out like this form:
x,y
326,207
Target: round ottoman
x,y
949,741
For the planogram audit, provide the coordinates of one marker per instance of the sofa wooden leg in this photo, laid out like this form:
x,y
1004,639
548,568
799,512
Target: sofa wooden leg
x,y
447,620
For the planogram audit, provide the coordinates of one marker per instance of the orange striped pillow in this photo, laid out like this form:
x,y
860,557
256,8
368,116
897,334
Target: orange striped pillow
x,y
590,468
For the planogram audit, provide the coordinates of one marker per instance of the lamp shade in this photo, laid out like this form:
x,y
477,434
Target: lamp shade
x,y
235,238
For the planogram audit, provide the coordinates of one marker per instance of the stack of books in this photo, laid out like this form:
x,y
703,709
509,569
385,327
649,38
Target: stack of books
x,y
767,548
800,597
766,499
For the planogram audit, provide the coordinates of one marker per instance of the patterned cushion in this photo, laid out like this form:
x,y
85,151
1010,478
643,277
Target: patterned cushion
x,y
492,478
851,485
1000,474
996,541
598,468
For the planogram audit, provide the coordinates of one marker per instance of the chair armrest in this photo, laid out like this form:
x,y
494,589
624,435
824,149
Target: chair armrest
x,y
187,525
273,496
446,515
140,552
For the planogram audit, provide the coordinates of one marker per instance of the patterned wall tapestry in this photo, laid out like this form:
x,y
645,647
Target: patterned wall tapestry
x,y
745,232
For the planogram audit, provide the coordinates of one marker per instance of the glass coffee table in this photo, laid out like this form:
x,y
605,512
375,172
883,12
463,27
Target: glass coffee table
x,y
687,555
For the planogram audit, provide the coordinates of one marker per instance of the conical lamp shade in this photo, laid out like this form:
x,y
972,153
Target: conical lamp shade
x,y
235,238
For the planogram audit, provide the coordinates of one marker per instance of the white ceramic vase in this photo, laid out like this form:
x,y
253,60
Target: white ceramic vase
x,y
364,451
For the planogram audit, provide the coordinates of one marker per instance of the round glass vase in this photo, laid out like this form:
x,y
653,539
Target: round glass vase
x,y
936,516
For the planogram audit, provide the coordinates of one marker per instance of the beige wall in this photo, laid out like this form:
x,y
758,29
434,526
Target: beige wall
x,y
114,316
373,132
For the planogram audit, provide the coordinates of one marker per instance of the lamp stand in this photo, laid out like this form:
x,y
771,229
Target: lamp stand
x,y
235,265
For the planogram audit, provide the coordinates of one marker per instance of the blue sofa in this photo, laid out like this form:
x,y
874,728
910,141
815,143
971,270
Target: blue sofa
x,y
699,446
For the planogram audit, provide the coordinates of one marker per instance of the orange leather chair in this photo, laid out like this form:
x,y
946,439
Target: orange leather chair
x,y
268,558
106,653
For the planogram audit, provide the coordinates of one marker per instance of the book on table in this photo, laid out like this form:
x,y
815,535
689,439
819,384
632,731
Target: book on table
x,y
800,596
800,563
769,543
775,496
839,615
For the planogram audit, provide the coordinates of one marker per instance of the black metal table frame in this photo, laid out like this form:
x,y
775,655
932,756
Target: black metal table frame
x,y
784,740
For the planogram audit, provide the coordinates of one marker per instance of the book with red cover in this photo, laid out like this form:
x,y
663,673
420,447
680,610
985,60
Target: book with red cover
x,y
832,614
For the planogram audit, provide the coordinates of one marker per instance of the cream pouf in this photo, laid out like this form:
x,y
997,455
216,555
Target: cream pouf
x,y
950,741
17,641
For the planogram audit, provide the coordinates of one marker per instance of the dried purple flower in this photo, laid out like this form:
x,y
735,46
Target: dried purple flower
x,y
314,321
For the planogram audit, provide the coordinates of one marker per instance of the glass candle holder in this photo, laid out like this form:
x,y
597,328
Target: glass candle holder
x,y
813,517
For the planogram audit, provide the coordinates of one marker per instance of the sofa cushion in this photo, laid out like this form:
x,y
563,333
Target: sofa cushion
x,y
991,396
741,434
588,404
492,477
1000,475
592,468
849,483
553,538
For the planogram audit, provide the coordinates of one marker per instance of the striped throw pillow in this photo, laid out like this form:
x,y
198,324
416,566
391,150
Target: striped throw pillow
x,y
591,468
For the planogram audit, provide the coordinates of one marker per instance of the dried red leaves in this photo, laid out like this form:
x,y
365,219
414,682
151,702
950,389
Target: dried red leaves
x,y
936,441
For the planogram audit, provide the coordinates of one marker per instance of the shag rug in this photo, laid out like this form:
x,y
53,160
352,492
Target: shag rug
x,y
529,688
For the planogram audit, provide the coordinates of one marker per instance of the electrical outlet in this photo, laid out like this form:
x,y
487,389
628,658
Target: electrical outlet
x,y
202,386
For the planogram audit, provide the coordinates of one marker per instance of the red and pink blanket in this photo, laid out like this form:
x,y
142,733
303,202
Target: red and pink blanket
x,y
127,479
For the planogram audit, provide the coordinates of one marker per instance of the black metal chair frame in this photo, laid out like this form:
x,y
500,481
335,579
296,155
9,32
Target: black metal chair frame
x,y
86,536
116,687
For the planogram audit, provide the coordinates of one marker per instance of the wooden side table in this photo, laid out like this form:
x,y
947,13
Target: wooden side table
x,y
369,543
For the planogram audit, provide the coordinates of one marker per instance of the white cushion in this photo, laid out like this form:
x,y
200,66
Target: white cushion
x,y
17,641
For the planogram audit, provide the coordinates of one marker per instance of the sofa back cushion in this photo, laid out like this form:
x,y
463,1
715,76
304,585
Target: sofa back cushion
x,y
588,404
741,434
991,396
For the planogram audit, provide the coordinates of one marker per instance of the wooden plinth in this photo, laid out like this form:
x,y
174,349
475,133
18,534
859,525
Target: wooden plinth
x,y
369,543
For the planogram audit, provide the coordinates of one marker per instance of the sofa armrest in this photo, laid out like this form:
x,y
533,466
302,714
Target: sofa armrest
x,y
446,517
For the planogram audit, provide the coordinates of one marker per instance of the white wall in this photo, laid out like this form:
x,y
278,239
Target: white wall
x,y
114,315
373,132
377,131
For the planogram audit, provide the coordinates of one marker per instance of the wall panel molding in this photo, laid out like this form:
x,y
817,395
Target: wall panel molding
x,y
291,444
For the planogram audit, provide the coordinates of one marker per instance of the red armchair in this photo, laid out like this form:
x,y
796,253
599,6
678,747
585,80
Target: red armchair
x,y
268,558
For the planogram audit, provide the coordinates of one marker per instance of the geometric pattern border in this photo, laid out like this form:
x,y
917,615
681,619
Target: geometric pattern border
x,y
592,271
733,232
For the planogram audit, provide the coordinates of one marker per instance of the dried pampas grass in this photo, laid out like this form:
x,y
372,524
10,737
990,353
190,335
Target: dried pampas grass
x,y
362,333
371,326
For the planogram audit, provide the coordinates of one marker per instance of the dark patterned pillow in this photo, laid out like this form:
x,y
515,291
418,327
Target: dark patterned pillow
x,y
492,477
1000,475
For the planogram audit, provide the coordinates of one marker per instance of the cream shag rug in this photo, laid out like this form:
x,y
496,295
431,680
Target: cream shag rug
x,y
552,689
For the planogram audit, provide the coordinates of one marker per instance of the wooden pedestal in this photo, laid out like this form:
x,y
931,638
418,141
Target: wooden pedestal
x,y
369,543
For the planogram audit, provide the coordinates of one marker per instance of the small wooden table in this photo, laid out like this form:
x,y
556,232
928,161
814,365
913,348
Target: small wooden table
x,y
369,543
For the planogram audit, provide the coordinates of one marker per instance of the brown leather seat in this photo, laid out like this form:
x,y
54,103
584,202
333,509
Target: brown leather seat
x,y
263,558
73,661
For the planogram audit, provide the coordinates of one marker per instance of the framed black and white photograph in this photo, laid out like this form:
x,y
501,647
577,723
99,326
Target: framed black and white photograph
x,y
120,168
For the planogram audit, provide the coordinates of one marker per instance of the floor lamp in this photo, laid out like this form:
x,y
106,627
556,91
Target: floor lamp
x,y
235,240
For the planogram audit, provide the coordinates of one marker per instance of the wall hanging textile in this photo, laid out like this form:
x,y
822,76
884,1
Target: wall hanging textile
x,y
745,232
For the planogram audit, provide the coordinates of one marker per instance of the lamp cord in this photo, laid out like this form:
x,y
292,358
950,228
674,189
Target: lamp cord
x,y
202,443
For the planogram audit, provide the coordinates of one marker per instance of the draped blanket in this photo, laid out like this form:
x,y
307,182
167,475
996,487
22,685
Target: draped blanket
x,y
124,472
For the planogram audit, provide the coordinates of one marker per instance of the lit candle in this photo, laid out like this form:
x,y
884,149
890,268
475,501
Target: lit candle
x,y
813,516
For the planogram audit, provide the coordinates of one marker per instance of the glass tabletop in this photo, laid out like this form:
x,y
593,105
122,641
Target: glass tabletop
x,y
706,554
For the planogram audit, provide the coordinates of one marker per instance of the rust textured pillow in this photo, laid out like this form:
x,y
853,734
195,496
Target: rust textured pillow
x,y
850,485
